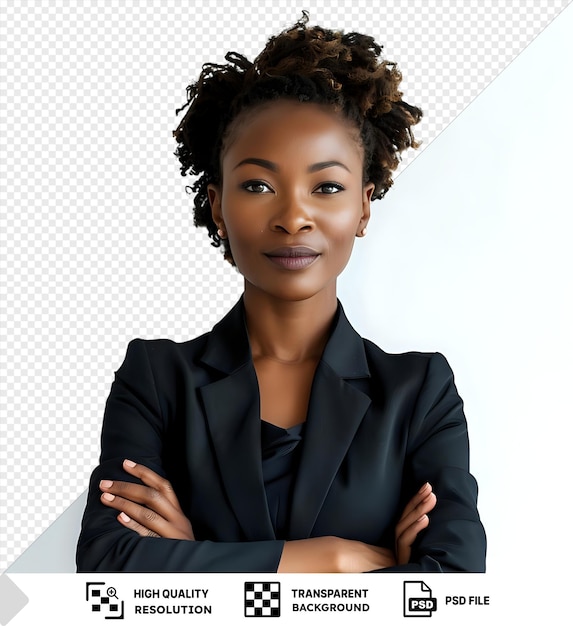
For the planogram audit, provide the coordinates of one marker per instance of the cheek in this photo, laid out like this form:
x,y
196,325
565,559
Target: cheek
x,y
341,227
238,223
344,245
243,240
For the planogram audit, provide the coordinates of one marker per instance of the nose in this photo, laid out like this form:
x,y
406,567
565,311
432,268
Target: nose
x,y
292,216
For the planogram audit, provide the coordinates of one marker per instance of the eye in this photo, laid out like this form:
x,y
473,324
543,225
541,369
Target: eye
x,y
329,188
256,186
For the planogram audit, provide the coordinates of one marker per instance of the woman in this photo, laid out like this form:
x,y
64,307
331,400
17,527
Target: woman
x,y
282,441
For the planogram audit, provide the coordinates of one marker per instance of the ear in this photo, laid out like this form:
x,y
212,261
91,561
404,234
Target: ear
x,y
214,195
367,192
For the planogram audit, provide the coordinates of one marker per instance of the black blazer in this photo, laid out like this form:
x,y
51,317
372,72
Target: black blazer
x,y
378,427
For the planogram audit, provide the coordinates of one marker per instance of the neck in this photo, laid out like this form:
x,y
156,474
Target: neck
x,y
288,331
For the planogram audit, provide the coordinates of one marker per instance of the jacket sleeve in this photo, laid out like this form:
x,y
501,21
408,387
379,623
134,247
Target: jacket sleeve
x,y
438,452
134,428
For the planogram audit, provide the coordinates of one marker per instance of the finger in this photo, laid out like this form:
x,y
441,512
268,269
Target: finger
x,y
409,534
140,494
422,508
126,521
151,479
178,528
405,540
139,514
162,486
424,491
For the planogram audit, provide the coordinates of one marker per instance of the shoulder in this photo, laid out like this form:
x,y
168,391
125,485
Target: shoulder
x,y
166,348
410,366
161,357
421,382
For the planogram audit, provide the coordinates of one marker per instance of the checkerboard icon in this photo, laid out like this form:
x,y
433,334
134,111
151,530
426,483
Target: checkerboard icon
x,y
262,599
104,601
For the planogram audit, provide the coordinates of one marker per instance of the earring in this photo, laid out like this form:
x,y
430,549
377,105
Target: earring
x,y
221,233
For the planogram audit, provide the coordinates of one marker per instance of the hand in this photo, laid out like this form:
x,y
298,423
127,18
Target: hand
x,y
333,554
414,519
160,515
357,557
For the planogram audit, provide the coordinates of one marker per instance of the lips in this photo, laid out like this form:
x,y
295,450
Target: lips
x,y
292,257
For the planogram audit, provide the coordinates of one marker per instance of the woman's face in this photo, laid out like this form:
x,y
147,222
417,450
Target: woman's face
x,y
292,198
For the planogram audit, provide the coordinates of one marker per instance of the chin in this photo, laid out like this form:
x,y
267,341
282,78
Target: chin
x,y
297,291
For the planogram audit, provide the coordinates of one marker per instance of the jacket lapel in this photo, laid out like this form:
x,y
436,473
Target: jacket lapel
x,y
336,410
233,415
232,410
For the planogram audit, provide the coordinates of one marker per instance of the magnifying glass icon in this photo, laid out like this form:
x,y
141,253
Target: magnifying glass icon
x,y
111,592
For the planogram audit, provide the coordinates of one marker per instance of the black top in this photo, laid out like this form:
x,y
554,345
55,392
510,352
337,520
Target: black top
x,y
280,454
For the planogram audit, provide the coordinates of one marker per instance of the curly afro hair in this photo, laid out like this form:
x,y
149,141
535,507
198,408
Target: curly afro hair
x,y
310,64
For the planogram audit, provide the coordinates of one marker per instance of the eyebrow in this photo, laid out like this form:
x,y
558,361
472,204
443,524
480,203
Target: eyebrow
x,y
273,167
316,167
269,165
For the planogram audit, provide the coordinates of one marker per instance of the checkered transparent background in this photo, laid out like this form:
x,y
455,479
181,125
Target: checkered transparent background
x,y
98,244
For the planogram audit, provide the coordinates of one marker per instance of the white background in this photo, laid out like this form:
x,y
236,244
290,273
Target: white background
x,y
476,261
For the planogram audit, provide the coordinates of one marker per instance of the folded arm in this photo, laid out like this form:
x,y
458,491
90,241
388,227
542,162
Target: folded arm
x,y
136,426
152,510
438,453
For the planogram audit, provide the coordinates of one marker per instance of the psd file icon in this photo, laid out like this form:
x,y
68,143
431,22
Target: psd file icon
x,y
418,600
